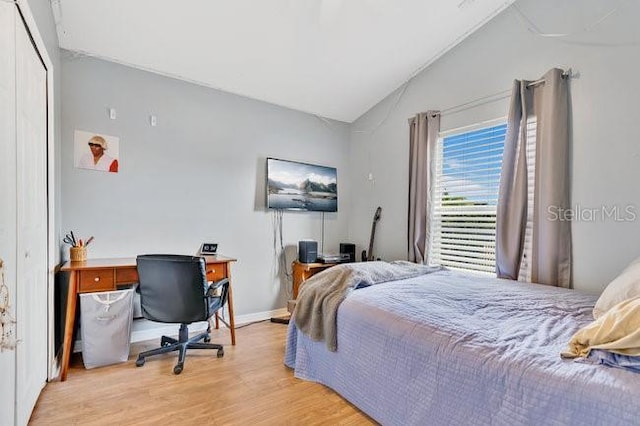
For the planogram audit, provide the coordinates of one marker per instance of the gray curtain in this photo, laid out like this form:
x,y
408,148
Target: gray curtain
x,y
548,104
423,130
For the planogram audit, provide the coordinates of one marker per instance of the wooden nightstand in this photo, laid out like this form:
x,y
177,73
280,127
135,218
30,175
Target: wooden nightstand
x,y
304,271
301,273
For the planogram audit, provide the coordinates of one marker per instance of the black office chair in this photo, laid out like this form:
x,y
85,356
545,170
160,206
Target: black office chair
x,y
174,289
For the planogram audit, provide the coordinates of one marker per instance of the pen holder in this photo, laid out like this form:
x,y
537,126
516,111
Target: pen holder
x,y
78,254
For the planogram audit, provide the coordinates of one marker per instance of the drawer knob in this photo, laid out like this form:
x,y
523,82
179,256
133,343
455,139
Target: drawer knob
x,y
96,279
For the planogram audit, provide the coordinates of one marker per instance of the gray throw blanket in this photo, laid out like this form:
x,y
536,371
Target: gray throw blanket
x,y
316,309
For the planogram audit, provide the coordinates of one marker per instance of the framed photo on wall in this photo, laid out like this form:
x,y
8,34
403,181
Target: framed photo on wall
x,y
96,151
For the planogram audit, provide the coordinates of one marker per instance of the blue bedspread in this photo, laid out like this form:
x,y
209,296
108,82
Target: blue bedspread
x,y
611,359
457,349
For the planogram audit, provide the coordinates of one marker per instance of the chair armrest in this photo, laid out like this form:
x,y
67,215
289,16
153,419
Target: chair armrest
x,y
214,286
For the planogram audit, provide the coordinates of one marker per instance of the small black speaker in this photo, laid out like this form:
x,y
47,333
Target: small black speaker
x,y
307,251
350,249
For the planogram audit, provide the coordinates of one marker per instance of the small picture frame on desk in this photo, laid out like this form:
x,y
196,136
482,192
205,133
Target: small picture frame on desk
x,y
209,249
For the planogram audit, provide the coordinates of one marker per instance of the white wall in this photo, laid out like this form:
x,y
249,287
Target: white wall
x,y
198,176
606,148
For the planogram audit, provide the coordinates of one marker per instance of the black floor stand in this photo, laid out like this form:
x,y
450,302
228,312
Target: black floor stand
x,y
280,320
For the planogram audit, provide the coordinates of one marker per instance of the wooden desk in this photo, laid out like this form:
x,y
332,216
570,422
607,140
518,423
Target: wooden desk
x,y
106,274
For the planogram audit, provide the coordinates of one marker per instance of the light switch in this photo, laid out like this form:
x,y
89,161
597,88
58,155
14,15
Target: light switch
x,y
112,113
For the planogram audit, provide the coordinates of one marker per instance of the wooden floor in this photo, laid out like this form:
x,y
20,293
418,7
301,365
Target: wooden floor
x,y
248,386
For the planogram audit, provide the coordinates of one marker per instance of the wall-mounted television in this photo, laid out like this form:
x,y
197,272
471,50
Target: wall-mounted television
x,y
300,186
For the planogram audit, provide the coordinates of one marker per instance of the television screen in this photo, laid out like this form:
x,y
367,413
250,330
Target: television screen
x,y
300,186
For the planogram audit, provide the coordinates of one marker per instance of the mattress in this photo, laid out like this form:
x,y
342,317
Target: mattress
x,y
451,348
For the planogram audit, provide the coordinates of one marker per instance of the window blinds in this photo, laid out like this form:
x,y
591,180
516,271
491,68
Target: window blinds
x,y
525,261
463,225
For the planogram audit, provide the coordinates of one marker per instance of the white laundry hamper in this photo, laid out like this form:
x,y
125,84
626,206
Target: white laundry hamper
x,y
106,320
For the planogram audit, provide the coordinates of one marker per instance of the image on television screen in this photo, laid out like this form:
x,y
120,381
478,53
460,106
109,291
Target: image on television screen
x,y
301,186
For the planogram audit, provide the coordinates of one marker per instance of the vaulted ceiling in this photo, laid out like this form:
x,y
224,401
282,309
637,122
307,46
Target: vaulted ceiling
x,y
332,58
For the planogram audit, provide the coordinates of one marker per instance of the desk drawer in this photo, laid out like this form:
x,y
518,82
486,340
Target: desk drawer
x,y
96,280
126,276
216,271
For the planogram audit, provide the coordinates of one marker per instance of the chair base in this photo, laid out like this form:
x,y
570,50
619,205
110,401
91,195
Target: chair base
x,y
169,344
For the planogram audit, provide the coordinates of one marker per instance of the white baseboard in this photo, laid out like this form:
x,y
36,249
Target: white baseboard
x,y
260,316
148,330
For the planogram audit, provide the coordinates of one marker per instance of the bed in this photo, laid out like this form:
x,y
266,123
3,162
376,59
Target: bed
x,y
455,348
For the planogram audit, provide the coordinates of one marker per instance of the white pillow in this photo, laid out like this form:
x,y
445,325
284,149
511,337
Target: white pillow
x,y
625,286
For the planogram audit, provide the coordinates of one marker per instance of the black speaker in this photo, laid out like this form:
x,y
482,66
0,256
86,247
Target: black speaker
x,y
307,251
350,249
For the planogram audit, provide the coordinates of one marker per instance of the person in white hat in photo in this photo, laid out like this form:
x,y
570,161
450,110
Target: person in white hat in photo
x,y
97,159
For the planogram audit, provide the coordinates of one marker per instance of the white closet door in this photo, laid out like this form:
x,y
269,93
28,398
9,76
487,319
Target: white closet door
x,y
31,146
8,195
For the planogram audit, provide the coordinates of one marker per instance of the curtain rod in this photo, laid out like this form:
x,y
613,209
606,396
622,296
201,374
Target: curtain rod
x,y
565,74
494,97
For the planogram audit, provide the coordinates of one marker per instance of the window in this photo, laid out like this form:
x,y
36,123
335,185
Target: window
x,y
463,225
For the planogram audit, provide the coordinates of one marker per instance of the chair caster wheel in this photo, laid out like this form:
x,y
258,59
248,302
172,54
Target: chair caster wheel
x,y
207,339
139,362
220,353
177,369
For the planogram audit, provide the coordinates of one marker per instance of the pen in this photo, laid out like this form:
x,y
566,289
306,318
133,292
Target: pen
x,y
88,241
73,238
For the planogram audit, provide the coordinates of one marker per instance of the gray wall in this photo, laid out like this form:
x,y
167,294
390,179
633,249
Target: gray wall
x,y
209,143
198,176
605,143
